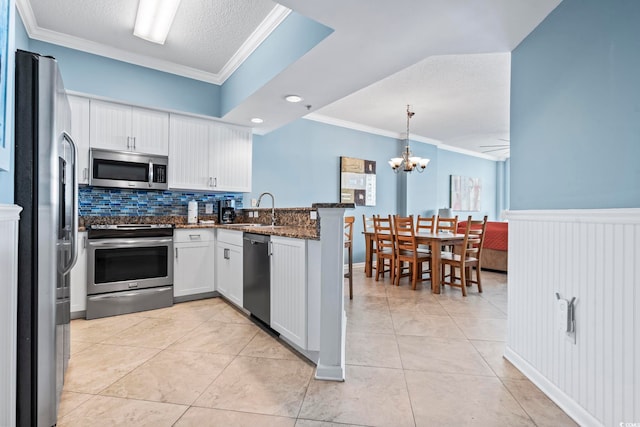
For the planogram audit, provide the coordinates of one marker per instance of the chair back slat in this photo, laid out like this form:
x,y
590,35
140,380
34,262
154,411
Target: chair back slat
x,y
348,228
383,233
405,233
447,225
473,238
425,224
367,223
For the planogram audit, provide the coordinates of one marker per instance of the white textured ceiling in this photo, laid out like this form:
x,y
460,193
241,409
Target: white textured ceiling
x,y
449,59
204,36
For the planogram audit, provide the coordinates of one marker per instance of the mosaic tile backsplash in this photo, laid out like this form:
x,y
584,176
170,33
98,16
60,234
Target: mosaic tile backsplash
x,y
96,201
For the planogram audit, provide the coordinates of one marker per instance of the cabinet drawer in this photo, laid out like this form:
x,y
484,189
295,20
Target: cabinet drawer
x,y
193,235
230,237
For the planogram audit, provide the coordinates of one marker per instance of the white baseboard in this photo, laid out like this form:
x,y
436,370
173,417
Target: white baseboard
x,y
566,403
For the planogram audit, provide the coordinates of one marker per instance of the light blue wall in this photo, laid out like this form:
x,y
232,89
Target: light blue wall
x,y
17,40
575,109
452,163
294,37
300,162
97,75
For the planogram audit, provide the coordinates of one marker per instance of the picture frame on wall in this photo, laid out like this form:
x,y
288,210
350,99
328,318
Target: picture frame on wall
x,y
465,194
357,181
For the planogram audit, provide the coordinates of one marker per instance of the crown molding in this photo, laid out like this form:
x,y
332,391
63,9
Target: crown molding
x,y
352,125
259,35
376,131
270,23
471,153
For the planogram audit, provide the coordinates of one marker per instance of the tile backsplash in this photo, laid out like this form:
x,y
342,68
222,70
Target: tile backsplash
x,y
97,201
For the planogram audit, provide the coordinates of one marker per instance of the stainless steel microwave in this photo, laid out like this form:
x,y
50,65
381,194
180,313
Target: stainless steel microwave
x,y
124,169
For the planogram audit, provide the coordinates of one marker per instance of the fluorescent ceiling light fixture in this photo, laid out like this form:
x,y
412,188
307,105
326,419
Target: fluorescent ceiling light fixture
x,y
257,120
154,19
293,98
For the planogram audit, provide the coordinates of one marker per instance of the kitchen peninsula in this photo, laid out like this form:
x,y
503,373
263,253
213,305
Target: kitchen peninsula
x,y
306,247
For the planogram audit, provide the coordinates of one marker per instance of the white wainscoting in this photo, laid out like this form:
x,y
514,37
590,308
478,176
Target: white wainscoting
x,y
9,216
593,255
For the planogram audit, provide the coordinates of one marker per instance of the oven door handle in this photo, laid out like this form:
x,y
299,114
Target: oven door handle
x,y
131,242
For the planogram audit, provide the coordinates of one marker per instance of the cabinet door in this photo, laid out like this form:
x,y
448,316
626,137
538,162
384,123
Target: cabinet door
x,y
231,157
235,284
229,272
78,277
193,271
150,131
289,289
189,153
110,126
80,134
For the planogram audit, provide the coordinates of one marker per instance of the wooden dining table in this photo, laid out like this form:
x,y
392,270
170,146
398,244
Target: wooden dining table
x,y
435,242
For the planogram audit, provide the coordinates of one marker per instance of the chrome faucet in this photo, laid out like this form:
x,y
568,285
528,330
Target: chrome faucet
x,y
273,207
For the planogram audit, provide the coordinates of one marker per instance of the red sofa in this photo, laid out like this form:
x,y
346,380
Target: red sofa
x,y
495,245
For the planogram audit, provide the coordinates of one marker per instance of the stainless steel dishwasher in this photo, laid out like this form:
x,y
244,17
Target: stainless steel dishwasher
x,y
256,276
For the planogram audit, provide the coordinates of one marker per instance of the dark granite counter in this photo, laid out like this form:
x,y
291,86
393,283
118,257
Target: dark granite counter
x,y
291,222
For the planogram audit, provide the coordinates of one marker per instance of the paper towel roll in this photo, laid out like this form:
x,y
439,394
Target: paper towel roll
x,y
192,212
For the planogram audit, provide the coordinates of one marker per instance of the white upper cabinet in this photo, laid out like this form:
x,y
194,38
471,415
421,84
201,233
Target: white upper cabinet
x,y
122,127
80,134
231,158
189,153
208,155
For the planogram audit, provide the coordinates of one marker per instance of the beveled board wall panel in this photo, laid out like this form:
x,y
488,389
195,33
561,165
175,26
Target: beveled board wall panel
x,y
593,255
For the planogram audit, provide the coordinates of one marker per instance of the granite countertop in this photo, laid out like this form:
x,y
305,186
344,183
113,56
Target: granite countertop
x,y
297,232
294,231
298,223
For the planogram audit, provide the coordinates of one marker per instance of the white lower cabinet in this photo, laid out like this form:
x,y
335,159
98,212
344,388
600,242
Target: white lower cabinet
x,y
193,267
289,289
229,265
79,279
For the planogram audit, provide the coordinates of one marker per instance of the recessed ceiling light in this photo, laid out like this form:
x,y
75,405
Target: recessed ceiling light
x,y
257,120
293,98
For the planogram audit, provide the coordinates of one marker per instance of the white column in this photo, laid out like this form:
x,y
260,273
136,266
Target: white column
x,y
9,217
331,361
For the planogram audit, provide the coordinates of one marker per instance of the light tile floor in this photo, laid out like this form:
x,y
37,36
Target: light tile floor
x,y
413,359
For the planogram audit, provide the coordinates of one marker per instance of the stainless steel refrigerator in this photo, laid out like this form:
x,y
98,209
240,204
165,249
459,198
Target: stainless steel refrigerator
x,y
46,188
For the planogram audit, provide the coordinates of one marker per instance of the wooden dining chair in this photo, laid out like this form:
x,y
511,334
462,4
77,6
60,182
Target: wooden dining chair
x,y
385,247
425,224
367,223
348,245
468,258
447,225
407,250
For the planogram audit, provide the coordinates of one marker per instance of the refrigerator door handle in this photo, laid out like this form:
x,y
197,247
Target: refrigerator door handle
x,y
74,207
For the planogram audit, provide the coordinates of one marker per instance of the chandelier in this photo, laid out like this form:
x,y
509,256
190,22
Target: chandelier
x,y
408,162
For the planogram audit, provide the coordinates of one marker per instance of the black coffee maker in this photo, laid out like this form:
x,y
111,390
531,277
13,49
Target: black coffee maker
x,y
226,211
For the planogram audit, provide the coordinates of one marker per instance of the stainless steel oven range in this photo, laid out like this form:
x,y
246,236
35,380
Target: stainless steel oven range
x,y
130,268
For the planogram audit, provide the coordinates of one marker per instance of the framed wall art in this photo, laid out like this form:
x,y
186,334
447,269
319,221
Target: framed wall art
x,y
465,194
357,181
